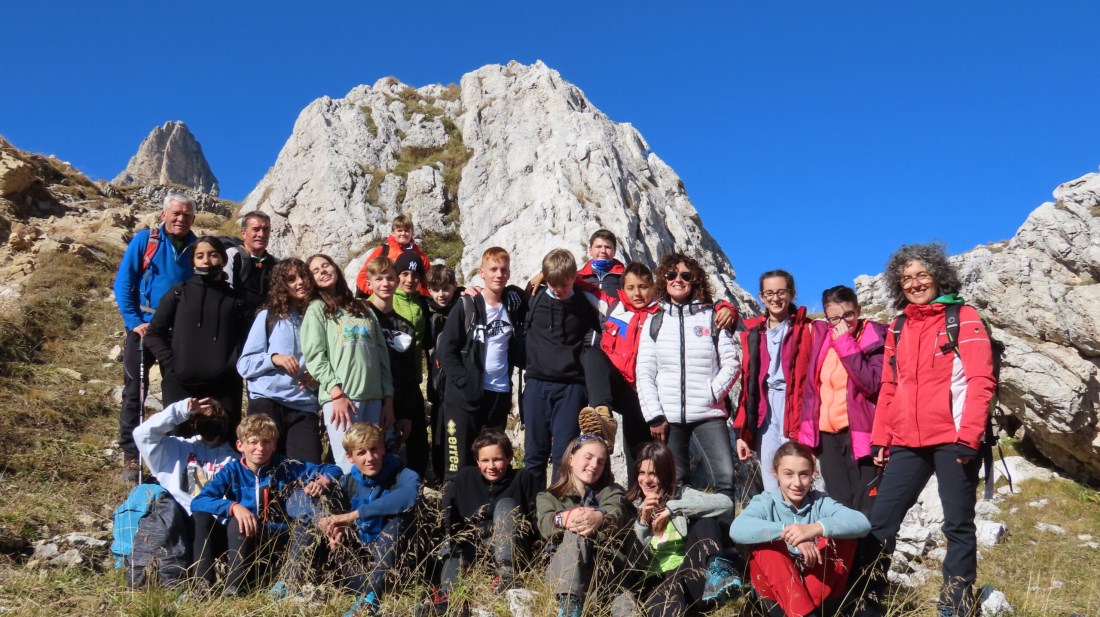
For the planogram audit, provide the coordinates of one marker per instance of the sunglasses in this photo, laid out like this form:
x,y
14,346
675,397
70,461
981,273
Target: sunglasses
x,y
687,277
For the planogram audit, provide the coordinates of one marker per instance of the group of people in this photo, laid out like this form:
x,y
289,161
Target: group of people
x,y
321,362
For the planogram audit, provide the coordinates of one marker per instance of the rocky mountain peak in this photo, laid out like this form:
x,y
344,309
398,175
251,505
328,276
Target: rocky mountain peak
x,y
170,155
514,156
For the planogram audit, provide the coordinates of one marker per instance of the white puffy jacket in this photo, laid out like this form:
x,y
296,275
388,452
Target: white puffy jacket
x,y
681,376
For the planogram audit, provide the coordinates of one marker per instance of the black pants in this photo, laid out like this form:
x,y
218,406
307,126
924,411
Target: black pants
x,y
365,569
673,593
907,471
502,536
252,556
607,386
299,431
460,427
134,355
847,480
208,543
229,392
408,404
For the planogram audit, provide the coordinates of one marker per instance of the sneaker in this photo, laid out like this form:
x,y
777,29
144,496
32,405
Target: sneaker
x,y
364,606
501,583
568,606
598,421
722,584
278,591
434,606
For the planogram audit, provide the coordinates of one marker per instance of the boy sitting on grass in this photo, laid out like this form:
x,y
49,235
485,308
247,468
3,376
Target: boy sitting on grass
x,y
376,501
251,491
486,509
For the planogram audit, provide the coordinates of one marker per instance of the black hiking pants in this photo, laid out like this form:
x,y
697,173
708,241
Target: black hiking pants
x,y
133,356
459,427
299,431
907,471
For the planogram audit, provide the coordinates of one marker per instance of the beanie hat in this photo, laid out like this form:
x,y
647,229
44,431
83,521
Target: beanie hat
x,y
408,261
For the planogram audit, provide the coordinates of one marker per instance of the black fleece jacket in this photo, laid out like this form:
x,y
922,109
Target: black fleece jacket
x,y
469,500
557,333
198,331
461,354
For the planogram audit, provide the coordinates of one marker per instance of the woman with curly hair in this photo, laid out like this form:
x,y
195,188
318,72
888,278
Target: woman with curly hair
x,y
686,366
931,416
274,367
346,353
775,348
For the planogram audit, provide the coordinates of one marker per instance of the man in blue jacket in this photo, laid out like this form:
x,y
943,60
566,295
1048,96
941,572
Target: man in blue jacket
x,y
155,260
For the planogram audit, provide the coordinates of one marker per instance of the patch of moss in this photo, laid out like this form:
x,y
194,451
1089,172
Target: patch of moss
x,y
447,247
368,119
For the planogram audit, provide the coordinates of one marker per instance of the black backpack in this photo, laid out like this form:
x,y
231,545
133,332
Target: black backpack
x,y
438,375
996,418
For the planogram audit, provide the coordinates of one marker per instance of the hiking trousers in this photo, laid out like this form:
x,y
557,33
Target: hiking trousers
x,y
299,431
501,534
459,427
672,593
607,386
777,576
550,418
847,479
130,416
907,471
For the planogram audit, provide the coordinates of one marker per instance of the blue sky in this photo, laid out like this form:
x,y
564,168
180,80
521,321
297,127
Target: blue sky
x,y
812,136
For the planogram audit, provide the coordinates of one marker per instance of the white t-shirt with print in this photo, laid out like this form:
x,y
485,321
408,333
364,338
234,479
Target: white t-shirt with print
x,y
498,331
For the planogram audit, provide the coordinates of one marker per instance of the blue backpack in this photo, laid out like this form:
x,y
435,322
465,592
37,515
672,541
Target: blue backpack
x,y
151,541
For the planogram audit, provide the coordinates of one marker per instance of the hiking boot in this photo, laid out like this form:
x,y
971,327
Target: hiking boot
x,y
501,583
598,421
722,584
130,472
568,605
365,606
435,606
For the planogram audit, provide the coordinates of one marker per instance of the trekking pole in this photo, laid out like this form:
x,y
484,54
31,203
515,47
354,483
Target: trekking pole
x,y
141,395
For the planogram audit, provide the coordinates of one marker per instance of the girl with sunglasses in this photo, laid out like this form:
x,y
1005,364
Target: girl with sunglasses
x,y
838,406
775,349
686,367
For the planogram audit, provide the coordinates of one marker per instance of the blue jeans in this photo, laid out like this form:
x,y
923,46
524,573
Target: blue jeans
x,y
550,420
712,463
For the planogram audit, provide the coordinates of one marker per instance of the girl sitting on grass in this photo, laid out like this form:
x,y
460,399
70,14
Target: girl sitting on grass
x,y
803,542
583,513
682,536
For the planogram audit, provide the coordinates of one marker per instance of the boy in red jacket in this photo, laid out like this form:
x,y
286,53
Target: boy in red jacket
x,y
400,240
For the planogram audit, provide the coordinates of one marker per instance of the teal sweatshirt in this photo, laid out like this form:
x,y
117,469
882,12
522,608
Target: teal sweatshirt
x,y
767,514
347,351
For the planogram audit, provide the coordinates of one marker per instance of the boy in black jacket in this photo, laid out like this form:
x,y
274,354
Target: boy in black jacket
x,y
443,293
480,345
561,323
487,508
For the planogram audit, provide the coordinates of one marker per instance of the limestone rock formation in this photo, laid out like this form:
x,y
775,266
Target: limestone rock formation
x,y
1040,291
170,155
515,156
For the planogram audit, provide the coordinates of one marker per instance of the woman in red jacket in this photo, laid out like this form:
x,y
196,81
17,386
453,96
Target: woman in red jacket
x,y
931,415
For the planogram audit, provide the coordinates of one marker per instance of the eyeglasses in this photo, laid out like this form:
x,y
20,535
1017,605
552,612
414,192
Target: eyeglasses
x,y
849,316
924,278
778,293
686,276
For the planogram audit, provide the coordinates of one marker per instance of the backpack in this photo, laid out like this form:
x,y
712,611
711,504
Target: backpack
x,y
996,415
438,377
150,537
